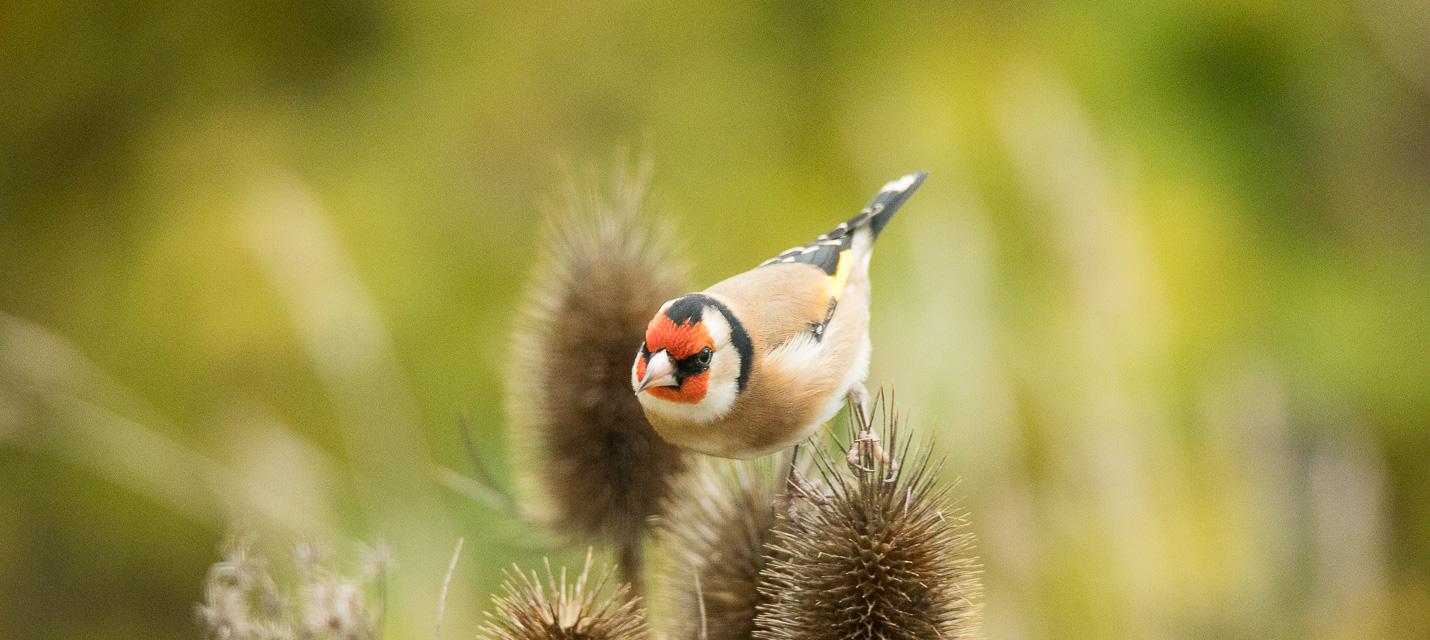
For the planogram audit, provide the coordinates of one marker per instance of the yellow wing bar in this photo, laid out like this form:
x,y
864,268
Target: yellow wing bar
x,y
841,274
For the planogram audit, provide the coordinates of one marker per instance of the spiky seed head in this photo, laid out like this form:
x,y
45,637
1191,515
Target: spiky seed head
x,y
884,555
595,469
714,534
562,609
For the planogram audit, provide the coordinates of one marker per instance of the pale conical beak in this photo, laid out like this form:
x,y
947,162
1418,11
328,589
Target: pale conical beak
x,y
659,372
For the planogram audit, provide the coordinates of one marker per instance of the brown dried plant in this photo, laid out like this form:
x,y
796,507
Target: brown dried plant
x,y
243,602
714,536
881,555
592,467
584,609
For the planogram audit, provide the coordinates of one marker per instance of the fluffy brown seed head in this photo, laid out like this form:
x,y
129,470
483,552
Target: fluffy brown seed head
x,y
883,556
562,609
594,469
714,534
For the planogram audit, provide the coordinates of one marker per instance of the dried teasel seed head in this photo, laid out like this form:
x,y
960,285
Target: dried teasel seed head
x,y
714,538
882,555
585,608
594,468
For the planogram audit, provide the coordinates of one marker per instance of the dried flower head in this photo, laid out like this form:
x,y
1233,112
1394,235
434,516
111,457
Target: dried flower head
x,y
883,555
563,610
595,469
715,533
332,605
243,602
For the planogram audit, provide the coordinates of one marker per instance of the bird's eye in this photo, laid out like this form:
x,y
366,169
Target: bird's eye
x,y
703,358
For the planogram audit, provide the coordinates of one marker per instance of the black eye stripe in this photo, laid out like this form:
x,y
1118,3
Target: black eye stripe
x,y
690,366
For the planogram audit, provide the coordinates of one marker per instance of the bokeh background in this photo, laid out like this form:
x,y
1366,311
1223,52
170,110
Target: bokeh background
x,y
1163,299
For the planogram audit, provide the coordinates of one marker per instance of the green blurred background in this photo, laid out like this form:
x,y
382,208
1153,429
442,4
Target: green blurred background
x,y
1163,298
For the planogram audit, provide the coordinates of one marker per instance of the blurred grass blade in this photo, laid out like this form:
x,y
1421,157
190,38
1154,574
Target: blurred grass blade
x,y
344,335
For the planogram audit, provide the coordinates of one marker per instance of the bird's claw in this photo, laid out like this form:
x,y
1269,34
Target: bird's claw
x,y
867,445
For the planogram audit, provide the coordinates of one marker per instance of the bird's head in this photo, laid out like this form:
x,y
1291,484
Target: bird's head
x,y
694,361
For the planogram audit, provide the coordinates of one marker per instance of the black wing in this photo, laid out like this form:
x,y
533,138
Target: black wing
x,y
827,250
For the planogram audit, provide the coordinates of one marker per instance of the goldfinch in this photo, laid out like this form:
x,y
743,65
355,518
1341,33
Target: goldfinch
x,y
755,363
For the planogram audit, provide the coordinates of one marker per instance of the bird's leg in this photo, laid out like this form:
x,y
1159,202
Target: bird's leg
x,y
859,413
866,441
792,474
797,486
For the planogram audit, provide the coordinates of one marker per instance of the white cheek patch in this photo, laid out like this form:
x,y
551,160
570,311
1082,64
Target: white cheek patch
x,y
724,381
717,327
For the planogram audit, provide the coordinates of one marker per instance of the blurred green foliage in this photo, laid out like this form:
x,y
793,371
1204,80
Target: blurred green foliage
x,y
1163,298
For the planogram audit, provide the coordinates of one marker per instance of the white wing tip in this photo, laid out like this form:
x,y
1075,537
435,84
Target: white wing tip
x,y
900,185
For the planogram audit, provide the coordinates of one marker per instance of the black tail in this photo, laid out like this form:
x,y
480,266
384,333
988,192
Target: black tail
x,y
824,252
890,198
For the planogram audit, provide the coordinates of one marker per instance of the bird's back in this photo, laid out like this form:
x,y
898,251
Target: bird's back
x,y
776,302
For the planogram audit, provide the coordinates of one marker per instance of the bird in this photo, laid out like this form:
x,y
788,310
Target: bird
x,y
755,363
